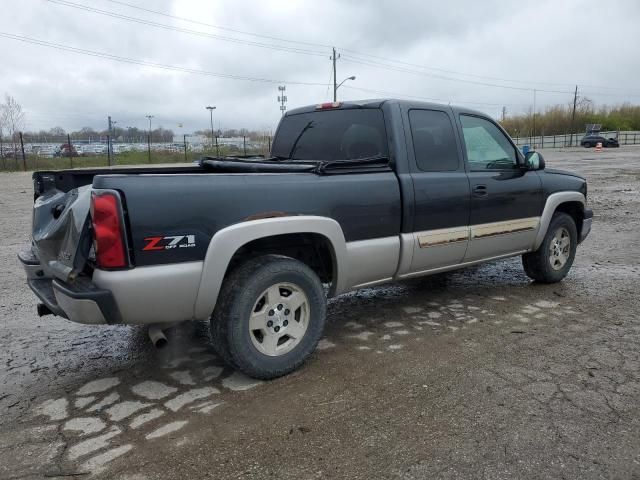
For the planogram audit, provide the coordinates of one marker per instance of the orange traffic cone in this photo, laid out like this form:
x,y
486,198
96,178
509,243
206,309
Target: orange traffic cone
x,y
599,147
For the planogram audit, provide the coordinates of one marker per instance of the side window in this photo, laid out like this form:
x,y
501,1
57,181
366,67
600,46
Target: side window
x,y
487,146
434,141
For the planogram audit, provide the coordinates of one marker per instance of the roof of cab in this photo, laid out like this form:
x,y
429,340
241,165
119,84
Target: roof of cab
x,y
378,102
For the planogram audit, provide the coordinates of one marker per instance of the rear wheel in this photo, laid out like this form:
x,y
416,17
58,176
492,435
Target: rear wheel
x,y
269,317
553,260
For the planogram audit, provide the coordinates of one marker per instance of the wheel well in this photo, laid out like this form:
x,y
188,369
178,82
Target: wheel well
x,y
312,249
576,211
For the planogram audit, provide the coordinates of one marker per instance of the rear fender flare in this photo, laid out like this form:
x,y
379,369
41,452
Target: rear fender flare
x,y
226,242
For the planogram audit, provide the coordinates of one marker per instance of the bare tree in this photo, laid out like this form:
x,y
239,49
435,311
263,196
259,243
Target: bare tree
x,y
13,118
4,166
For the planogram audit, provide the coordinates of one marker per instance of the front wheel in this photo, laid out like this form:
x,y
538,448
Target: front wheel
x,y
553,260
269,317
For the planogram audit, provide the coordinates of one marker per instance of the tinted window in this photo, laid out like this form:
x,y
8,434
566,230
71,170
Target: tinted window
x,y
434,142
332,135
487,147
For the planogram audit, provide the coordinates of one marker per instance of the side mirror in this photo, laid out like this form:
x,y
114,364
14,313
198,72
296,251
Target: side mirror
x,y
534,160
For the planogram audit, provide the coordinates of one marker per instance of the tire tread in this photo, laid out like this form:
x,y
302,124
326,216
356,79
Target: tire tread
x,y
536,264
230,297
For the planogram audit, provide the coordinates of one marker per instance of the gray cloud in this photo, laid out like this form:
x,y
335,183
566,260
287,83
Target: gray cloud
x,y
563,43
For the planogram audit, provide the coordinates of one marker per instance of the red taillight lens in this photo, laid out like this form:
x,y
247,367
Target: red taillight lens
x,y
107,230
328,106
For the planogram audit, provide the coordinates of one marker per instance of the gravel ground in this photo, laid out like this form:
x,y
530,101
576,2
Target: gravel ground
x,y
472,374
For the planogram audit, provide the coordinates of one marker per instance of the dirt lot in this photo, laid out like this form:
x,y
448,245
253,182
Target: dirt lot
x,y
473,374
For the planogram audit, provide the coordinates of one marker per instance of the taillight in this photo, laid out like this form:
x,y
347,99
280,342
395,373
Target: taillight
x,y
107,230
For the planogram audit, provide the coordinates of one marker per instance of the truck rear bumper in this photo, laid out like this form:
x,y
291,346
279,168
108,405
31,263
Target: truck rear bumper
x,y
586,224
144,295
81,302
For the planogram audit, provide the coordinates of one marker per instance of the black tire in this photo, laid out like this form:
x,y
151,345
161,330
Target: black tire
x,y
587,145
538,265
231,335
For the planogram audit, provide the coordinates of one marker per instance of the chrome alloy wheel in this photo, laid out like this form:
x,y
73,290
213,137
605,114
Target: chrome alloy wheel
x,y
279,319
559,248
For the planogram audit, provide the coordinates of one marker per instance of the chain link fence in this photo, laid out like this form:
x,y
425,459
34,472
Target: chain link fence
x,y
573,140
24,153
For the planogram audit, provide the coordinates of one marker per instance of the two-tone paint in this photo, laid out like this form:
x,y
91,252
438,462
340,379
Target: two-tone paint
x,y
380,226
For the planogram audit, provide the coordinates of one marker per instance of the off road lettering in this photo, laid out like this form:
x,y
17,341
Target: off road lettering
x,y
169,242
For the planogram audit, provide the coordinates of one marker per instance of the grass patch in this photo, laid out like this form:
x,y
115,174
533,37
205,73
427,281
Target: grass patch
x,y
125,158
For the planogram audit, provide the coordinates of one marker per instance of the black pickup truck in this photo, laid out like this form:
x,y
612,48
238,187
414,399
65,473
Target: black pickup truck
x,y
354,194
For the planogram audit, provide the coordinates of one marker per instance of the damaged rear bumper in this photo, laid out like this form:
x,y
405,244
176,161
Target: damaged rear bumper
x,y
80,301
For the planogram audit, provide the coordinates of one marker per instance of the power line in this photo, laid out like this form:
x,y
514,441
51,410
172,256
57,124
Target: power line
x,y
353,52
204,24
185,30
326,95
354,57
429,99
442,77
145,63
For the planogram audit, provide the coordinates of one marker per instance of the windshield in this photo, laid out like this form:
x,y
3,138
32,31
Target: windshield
x,y
331,135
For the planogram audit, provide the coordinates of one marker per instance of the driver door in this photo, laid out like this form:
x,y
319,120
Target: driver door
x,y
506,200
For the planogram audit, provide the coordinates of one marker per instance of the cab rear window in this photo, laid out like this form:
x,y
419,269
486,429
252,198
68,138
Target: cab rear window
x,y
332,135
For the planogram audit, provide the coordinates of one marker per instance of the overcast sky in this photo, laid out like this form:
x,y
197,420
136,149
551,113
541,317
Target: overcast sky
x,y
440,50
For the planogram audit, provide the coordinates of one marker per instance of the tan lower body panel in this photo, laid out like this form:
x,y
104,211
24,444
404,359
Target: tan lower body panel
x,y
502,228
442,236
451,246
499,238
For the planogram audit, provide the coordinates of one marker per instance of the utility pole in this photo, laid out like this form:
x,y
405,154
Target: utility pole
x,y
282,98
184,137
149,137
504,113
70,152
109,150
334,57
24,158
211,109
534,115
573,114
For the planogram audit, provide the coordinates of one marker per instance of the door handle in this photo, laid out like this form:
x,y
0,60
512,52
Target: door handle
x,y
480,191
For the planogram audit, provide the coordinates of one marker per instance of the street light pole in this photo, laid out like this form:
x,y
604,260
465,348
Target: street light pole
x,y
211,109
149,137
335,96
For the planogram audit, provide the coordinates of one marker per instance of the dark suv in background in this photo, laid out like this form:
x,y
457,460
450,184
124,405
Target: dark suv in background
x,y
592,139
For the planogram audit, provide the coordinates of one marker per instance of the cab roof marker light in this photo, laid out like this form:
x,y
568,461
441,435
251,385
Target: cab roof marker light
x,y
328,105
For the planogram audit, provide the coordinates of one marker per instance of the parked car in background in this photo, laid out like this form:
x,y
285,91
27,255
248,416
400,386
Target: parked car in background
x,y
67,150
47,151
592,139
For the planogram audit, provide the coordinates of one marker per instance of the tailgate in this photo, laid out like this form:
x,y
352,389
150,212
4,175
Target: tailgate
x,y
60,231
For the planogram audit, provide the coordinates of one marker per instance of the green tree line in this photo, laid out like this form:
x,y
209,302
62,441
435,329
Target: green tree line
x,y
556,120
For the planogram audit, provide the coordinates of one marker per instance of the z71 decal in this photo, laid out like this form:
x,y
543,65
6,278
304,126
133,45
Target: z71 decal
x,y
169,242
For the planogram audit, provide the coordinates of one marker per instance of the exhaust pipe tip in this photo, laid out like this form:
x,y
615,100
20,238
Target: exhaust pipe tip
x,y
43,310
157,337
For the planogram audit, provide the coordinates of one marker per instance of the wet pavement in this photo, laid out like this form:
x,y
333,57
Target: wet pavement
x,y
472,374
